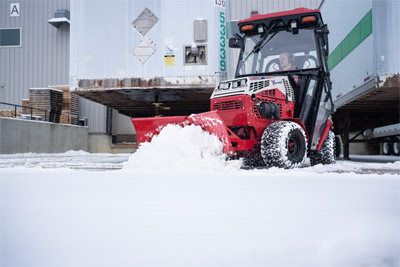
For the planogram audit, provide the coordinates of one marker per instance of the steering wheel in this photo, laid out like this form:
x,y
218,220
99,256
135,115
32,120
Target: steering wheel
x,y
308,64
274,64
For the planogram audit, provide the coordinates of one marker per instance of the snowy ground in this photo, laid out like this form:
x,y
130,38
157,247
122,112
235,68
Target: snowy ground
x,y
176,202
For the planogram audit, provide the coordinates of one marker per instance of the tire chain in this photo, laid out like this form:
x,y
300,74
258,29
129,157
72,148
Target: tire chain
x,y
326,154
271,150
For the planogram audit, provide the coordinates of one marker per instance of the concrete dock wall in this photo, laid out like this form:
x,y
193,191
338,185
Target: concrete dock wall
x,y
22,136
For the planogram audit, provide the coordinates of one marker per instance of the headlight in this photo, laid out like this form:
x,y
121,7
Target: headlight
x,y
224,86
239,83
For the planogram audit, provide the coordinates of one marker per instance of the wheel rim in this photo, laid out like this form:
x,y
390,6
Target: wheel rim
x,y
396,148
293,147
385,148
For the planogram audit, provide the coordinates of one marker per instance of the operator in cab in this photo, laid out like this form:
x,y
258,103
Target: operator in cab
x,y
286,59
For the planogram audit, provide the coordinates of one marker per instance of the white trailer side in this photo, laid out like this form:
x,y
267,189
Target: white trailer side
x,y
146,58
365,64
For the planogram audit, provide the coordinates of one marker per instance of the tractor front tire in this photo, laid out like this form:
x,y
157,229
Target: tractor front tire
x,y
283,145
327,153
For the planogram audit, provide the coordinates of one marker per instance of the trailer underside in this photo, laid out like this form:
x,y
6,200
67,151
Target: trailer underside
x,y
375,105
147,98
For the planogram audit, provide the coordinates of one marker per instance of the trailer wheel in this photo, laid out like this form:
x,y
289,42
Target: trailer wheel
x,y
327,152
396,146
283,145
387,147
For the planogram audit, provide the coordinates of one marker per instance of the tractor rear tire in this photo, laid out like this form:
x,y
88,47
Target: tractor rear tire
x,y
283,145
327,153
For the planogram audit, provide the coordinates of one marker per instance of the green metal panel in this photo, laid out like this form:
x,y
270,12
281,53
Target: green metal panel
x,y
356,36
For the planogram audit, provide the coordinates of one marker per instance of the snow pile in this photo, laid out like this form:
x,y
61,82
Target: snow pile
x,y
179,148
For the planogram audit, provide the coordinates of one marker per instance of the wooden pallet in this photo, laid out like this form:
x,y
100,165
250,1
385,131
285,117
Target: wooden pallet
x,y
70,106
49,101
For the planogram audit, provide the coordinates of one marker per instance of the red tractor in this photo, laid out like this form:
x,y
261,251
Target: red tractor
x,y
277,109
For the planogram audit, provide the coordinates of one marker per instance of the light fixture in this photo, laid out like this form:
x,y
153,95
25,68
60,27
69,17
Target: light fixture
x,y
60,16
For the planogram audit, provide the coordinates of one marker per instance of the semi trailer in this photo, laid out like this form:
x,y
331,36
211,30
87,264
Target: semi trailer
x,y
364,64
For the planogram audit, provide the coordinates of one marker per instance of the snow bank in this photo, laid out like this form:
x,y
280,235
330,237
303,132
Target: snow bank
x,y
184,149
70,153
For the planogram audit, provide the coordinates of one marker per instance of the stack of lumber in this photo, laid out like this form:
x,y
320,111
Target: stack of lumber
x,y
9,113
70,106
25,106
49,100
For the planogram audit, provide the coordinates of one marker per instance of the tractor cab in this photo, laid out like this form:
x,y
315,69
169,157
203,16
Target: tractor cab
x,y
293,44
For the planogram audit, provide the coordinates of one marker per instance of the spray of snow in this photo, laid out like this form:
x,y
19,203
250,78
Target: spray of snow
x,y
184,149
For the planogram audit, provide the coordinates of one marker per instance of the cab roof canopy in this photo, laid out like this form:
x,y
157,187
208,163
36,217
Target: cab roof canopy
x,y
283,20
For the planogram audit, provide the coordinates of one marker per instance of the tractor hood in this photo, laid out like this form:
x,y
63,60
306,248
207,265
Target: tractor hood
x,y
252,85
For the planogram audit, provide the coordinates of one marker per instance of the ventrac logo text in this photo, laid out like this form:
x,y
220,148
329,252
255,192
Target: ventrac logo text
x,y
276,82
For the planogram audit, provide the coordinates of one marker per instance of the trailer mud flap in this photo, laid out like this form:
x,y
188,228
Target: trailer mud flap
x,y
147,128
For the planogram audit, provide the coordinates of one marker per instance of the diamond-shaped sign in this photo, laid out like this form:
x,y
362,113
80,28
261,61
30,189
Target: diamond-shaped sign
x,y
144,50
145,21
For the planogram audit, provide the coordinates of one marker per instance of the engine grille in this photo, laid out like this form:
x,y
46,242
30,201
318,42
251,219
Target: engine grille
x,y
267,93
289,90
228,105
255,86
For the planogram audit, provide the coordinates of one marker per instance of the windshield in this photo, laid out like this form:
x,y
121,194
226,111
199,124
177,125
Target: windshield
x,y
280,51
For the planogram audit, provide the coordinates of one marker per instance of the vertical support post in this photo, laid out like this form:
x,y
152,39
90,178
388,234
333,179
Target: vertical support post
x,y
15,111
345,138
109,121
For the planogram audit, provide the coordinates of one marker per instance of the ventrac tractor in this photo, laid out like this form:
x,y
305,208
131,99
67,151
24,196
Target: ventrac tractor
x,y
277,109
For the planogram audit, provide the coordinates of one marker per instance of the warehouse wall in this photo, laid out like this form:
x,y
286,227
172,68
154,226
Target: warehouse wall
x,y
42,59
21,136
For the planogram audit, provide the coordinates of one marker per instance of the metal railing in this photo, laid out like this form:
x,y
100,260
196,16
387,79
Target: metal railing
x,y
32,117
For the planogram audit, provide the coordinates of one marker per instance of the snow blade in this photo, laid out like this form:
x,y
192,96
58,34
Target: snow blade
x,y
146,128
211,122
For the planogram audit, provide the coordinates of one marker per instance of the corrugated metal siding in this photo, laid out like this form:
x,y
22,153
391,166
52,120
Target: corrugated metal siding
x,y
42,59
241,9
96,115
